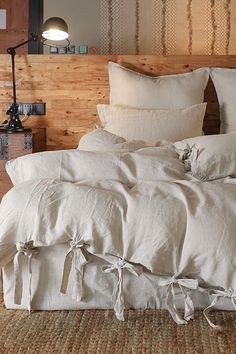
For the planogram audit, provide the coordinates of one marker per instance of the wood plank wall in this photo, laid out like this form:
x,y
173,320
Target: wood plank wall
x,y
72,85
17,24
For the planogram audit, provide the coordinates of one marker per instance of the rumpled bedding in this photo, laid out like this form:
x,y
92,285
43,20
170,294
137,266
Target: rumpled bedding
x,y
146,215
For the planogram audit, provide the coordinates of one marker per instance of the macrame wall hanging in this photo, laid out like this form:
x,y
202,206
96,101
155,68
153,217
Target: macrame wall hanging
x,y
168,27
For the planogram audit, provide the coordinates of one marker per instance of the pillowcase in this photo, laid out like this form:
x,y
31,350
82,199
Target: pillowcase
x,y
132,89
101,140
209,157
152,125
225,85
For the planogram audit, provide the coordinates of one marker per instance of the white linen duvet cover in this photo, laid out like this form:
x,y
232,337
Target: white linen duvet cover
x,y
153,226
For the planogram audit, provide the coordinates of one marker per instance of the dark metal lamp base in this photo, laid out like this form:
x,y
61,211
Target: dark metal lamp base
x,y
10,130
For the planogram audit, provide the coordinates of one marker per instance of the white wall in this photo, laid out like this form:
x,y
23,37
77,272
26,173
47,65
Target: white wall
x,y
82,17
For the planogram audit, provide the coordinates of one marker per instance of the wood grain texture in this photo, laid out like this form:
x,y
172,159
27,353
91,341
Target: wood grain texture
x,y
72,86
17,24
17,146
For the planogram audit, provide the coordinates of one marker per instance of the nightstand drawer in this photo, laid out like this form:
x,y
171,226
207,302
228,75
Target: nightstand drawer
x,y
16,145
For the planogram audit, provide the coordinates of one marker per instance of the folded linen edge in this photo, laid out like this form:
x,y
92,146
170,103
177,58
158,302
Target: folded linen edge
x,y
78,249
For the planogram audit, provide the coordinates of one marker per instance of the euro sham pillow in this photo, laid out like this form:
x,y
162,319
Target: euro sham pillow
x,y
132,89
209,157
152,125
225,85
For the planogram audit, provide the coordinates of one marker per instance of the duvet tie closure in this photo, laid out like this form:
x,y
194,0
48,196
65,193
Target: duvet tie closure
x,y
79,255
184,284
28,250
118,295
217,294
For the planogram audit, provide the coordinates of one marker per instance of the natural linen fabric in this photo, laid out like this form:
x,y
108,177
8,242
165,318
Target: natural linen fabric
x,y
224,80
23,249
209,157
101,140
178,229
74,165
153,125
77,254
133,89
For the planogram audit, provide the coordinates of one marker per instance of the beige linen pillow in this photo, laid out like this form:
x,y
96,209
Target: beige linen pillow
x,y
225,84
209,157
102,140
152,125
99,139
130,88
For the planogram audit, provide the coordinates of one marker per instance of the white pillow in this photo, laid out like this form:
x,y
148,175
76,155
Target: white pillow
x,y
152,125
132,89
98,139
225,85
101,140
209,157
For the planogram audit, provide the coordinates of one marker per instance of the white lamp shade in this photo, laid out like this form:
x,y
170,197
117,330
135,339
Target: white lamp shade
x,y
55,29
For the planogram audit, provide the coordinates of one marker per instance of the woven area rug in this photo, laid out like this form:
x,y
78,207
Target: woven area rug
x,y
97,331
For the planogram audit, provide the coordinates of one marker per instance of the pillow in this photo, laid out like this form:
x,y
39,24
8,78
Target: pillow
x,y
137,90
155,163
209,157
152,125
225,84
101,140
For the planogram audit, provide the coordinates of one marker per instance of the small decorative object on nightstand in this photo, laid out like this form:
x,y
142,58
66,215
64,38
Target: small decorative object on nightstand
x,y
83,49
15,145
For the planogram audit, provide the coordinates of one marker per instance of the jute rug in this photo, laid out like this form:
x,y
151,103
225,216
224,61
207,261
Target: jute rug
x,y
97,331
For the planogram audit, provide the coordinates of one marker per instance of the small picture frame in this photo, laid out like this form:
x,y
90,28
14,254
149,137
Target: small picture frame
x,y
53,50
83,49
71,49
61,50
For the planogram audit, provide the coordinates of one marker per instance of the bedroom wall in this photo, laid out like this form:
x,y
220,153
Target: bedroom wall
x,y
82,17
16,24
72,86
205,27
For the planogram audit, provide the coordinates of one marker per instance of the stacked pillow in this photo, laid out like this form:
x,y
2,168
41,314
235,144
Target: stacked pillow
x,y
225,84
209,157
154,124
152,108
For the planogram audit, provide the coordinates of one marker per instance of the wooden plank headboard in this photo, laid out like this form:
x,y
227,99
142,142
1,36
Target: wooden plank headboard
x,y
72,85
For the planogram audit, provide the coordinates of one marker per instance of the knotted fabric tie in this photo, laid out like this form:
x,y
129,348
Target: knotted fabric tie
x,y
118,295
184,284
189,154
78,251
217,294
23,249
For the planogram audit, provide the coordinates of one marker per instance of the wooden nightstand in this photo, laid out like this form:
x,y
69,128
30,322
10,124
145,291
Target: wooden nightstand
x,y
15,145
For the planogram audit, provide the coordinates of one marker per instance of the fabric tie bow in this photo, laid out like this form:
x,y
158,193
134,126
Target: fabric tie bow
x,y
26,249
79,254
217,294
184,284
118,295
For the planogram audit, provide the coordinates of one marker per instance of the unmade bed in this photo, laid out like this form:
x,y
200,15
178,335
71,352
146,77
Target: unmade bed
x,y
141,215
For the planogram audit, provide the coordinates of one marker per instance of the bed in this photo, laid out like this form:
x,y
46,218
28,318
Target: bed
x,y
141,215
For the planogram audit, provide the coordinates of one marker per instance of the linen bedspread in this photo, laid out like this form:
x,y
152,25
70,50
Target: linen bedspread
x,y
146,215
